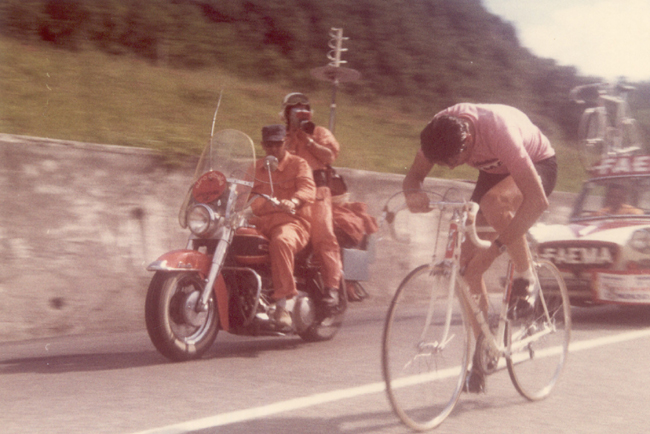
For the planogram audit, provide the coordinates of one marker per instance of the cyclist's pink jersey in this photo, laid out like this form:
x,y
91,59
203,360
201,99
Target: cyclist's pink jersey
x,y
505,138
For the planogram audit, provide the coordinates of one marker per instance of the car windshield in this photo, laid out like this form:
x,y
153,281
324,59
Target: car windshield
x,y
614,198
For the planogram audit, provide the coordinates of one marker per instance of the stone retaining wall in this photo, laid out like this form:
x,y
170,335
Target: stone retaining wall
x,y
79,223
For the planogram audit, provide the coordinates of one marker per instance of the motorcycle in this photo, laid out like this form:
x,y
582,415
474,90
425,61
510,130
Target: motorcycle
x,y
222,279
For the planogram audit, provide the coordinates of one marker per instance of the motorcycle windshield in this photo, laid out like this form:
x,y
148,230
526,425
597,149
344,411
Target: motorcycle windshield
x,y
224,174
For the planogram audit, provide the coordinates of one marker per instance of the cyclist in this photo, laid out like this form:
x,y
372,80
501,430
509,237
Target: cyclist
x,y
517,171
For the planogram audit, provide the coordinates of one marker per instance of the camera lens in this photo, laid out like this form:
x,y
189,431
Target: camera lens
x,y
307,126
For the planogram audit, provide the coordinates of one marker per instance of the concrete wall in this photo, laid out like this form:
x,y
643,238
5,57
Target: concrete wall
x,y
79,223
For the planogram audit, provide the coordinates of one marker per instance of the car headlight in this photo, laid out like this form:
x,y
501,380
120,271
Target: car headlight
x,y
202,220
640,240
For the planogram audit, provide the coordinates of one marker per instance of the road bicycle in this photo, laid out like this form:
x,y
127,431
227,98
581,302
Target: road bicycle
x,y
428,332
607,128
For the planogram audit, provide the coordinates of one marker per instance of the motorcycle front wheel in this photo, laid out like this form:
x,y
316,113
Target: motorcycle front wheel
x,y
175,327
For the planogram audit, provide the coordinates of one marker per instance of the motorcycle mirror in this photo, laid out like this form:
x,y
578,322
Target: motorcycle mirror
x,y
271,163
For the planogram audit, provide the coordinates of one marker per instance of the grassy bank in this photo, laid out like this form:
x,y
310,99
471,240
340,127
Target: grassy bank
x,y
93,97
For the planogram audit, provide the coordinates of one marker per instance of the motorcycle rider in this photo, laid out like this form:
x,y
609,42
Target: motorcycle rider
x,y
318,146
286,225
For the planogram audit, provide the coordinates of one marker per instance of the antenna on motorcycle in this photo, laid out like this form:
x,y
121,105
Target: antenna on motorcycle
x,y
271,164
214,120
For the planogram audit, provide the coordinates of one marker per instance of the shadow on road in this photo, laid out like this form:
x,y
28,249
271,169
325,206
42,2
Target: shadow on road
x,y
105,360
370,422
251,347
376,422
612,317
79,362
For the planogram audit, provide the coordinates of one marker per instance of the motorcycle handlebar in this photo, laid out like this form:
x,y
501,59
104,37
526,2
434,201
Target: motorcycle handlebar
x,y
275,201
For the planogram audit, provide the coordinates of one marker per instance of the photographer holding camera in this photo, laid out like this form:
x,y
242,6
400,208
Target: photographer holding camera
x,y
319,147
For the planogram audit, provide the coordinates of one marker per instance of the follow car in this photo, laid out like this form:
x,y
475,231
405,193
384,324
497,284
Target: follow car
x,y
604,250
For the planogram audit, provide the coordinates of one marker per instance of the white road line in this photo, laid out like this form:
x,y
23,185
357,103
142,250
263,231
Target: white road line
x,y
337,395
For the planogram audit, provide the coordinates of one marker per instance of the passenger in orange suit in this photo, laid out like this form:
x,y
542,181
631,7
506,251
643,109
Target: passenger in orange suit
x,y
287,225
318,146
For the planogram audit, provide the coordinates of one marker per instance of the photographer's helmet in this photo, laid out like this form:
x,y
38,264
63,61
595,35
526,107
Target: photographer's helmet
x,y
291,100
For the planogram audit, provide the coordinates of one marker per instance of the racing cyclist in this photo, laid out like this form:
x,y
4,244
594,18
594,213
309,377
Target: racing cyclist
x,y
517,171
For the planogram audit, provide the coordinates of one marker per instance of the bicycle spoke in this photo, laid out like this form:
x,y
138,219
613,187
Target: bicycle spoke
x,y
537,348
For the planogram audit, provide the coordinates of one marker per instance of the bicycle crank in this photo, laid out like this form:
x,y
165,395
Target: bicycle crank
x,y
485,359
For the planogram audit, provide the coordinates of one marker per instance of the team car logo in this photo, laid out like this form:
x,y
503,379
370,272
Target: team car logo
x,y
579,255
632,165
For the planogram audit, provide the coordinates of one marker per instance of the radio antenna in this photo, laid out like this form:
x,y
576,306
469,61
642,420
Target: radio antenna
x,y
214,120
333,71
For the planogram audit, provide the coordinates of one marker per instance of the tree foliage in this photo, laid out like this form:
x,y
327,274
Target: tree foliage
x,y
426,54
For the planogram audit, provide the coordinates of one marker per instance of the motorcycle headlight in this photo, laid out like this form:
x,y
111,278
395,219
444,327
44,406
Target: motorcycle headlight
x,y
640,240
202,220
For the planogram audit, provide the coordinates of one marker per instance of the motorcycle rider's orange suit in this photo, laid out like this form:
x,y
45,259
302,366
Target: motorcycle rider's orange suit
x,y
326,247
287,233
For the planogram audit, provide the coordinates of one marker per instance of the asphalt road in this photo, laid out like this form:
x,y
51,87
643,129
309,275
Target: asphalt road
x,y
118,383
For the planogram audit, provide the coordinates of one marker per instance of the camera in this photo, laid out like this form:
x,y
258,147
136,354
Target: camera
x,y
307,126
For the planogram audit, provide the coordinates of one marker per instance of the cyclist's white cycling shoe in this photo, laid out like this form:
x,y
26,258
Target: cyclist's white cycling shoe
x,y
522,299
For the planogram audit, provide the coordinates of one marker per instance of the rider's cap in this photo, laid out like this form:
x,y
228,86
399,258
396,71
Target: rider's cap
x,y
273,133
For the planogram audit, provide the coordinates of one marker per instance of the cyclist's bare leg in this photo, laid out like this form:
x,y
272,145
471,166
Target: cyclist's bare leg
x,y
476,285
498,207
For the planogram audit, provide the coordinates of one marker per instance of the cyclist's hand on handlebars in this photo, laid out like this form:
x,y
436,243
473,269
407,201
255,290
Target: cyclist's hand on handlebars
x,y
417,201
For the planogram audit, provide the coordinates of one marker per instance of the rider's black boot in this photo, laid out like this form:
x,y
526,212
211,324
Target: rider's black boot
x,y
331,298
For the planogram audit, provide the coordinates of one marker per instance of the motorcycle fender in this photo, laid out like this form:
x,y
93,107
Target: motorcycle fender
x,y
191,260
182,260
221,293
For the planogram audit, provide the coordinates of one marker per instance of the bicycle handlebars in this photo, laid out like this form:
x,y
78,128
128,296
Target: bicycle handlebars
x,y
470,225
470,208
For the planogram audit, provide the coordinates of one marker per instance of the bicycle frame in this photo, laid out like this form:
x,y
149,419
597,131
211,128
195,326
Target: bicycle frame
x,y
428,330
462,225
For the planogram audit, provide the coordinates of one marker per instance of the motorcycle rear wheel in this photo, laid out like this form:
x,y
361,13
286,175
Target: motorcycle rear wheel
x,y
176,329
325,328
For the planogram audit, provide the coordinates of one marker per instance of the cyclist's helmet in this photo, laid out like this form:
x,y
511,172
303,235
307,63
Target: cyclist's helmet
x,y
443,138
293,99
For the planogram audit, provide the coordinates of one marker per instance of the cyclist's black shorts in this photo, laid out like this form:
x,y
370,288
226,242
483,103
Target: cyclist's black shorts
x,y
546,169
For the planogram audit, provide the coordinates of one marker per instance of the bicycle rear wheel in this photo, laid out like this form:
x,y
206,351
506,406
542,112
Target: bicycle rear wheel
x,y
591,132
539,345
631,136
425,349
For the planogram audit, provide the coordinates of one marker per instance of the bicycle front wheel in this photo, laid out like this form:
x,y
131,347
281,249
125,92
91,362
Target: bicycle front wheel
x,y
425,348
539,345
